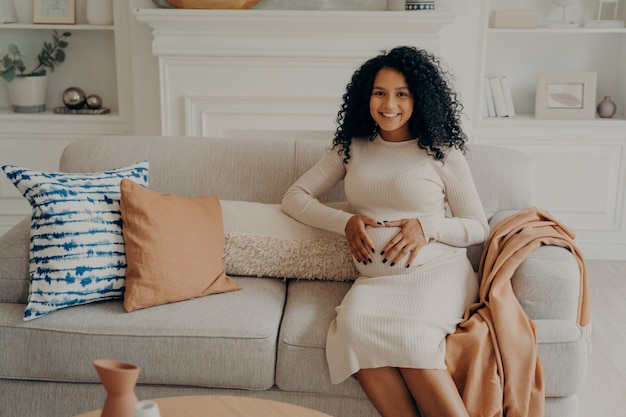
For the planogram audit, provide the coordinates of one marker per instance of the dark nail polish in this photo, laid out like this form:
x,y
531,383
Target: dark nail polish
x,y
408,266
373,250
384,261
392,264
378,222
370,260
382,253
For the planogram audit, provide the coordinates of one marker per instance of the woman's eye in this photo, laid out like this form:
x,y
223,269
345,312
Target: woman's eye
x,y
379,93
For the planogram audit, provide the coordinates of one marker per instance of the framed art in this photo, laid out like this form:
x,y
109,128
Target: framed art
x,y
54,11
566,95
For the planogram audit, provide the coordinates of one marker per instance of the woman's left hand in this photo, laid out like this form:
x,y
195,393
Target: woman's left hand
x,y
409,240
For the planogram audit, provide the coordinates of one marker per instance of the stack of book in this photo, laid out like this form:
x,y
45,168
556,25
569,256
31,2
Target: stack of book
x,y
498,100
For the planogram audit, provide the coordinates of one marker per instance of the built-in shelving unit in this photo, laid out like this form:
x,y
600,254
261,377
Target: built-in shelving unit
x,y
580,165
98,62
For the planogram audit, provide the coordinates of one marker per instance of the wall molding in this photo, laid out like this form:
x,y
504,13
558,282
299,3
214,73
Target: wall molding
x,y
218,116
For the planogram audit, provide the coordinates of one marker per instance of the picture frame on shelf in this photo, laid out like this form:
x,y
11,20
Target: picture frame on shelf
x,y
566,95
54,11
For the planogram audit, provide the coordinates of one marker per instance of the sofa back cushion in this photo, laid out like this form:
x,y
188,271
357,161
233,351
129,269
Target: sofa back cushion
x,y
262,170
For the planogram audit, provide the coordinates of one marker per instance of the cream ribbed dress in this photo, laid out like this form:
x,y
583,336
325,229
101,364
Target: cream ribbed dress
x,y
394,315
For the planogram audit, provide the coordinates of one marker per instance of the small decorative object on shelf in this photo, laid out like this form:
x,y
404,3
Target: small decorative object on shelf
x,y
74,98
566,95
563,23
606,108
514,19
84,110
396,5
77,102
24,11
99,12
27,89
119,379
54,11
8,14
611,23
420,5
93,101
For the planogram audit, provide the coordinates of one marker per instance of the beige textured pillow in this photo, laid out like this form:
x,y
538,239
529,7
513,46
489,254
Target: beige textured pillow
x,y
174,247
263,241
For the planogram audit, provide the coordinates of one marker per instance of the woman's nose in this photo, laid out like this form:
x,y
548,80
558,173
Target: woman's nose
x,y
390,101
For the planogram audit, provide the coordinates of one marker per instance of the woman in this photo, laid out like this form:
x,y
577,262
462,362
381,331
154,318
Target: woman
x,y
399,149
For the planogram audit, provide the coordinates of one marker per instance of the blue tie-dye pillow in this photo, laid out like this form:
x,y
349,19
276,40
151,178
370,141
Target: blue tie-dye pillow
x,y
76,245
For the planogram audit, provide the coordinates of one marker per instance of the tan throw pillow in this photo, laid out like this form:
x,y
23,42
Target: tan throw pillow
x,y
174,247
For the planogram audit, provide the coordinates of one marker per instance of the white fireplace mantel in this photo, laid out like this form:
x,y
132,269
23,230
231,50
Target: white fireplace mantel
x,y
227,72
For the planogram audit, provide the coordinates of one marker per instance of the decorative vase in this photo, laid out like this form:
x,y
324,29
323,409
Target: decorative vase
x,y
396,5
606,108
24,11
28,94
119,379
99,12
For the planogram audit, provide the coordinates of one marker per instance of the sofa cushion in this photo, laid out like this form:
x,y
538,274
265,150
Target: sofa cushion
x,y
301,365
226,340
261,240
14,257
310,308
76,247
174,247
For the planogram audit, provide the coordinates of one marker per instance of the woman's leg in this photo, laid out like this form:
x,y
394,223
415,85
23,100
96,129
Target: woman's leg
x,y
435,392
386,389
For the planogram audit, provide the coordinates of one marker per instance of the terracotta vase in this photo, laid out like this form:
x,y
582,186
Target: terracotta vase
x,y
119,379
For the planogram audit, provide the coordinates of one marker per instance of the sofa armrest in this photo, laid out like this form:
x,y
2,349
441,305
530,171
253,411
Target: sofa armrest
x,y
14,258
547,283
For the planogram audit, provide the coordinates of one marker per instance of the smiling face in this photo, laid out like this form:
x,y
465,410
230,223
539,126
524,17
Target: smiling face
x,y
391,105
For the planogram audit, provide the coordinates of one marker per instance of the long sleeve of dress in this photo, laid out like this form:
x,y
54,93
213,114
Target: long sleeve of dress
x,y
468,224
301,201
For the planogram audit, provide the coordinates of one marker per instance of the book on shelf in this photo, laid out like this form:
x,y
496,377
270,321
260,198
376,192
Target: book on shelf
x,y
508,97
489,105
498,98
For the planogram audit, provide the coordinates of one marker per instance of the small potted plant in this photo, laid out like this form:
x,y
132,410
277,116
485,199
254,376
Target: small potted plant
x,y
27,89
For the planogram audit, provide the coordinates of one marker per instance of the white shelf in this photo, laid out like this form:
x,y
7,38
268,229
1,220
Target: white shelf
x,y
32,26
556,31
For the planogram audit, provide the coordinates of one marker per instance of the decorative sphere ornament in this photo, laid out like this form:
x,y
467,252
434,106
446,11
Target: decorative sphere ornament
x,y
94,101
74,98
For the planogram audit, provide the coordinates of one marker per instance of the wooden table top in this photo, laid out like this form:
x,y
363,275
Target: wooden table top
x,y
225,406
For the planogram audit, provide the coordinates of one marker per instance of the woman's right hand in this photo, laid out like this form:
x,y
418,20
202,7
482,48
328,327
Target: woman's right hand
x,y
359,241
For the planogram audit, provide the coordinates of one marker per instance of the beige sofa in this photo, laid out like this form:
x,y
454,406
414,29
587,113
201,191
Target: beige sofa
x,y
266,340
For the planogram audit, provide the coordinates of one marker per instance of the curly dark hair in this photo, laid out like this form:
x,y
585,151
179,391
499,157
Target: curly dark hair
x,y
435,121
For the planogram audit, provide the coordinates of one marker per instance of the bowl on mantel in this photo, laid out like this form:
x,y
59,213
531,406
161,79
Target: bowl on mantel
x,y
213,4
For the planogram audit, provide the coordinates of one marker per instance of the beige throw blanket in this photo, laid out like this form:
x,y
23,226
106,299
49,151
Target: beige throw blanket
x,y
492,356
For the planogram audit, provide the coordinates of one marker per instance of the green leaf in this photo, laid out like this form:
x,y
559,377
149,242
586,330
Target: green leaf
x,y
8,75
19,64
7,62
59,56
63,44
